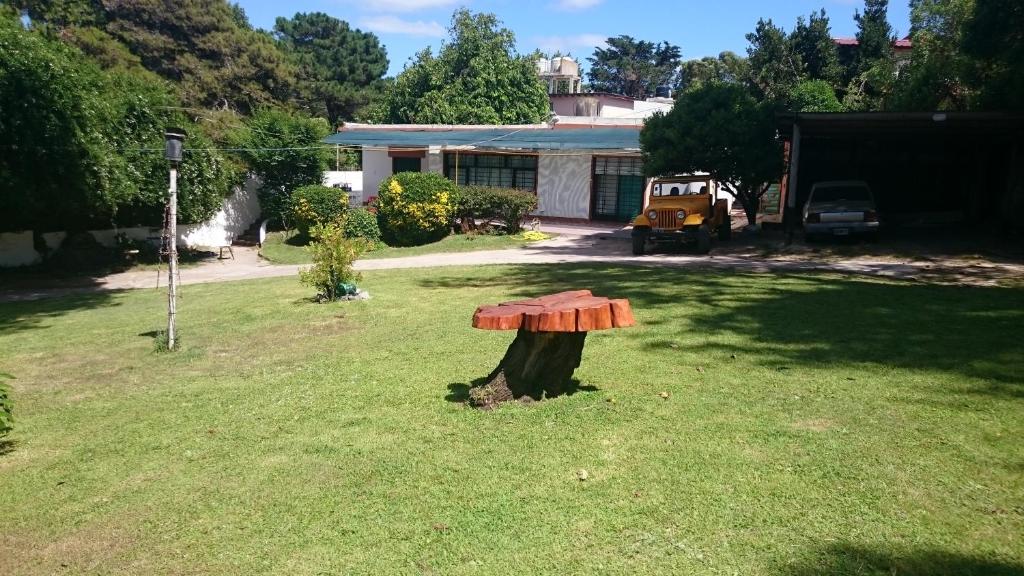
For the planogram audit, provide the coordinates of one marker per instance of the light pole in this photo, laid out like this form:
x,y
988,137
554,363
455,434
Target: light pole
x,y
174,138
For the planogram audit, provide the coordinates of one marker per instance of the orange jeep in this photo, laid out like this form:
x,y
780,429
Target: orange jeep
x,y
682,210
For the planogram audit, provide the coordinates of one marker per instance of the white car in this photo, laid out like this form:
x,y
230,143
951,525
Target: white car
x,y
840,208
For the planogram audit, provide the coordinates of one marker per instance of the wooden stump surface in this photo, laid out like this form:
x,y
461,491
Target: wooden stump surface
x,y
574,311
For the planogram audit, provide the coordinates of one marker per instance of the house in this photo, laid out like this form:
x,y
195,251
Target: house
x,y
569,101
580,171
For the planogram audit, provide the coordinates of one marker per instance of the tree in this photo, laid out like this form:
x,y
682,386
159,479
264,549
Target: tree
x,y
812,42
727,68
338,67
722,130
775,67
938,74
81,147
476,78
205,47
285,151
874,35
872,74
994,40
634,68
814,96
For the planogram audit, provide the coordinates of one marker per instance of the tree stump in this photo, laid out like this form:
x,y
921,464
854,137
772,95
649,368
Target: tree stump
x,y
548,347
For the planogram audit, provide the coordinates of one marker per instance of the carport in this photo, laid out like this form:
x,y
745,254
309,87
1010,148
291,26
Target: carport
x,y
955,168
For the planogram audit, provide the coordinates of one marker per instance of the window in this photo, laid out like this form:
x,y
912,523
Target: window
x,y
400,164
499,170
618,187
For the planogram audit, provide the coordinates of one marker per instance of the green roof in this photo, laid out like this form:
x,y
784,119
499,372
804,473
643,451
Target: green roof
x,y
513,138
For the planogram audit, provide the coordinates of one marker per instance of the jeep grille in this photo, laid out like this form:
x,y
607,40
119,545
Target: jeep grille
x,y
667,219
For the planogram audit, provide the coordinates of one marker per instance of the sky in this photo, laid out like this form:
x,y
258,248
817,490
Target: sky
x,y
699,28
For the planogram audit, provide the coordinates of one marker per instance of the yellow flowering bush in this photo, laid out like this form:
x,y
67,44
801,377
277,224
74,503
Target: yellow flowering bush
x,y
415,208
312,205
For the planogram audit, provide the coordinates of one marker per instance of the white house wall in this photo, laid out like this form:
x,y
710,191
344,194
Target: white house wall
x,y
563,185
376,168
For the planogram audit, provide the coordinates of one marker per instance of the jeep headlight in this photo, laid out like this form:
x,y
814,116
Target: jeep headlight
x,y
652,215
681,214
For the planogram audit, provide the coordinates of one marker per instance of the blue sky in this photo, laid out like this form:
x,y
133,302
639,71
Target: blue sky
x,y
700,28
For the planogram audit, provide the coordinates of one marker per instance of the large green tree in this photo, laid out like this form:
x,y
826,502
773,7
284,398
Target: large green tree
x,y
723,130
205,47
727,68
338,67
477,77
634,68
81,147
994,40
286,152
939,74
812,42
775,67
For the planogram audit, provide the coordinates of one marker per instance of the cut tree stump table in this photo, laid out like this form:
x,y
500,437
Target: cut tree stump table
x,y
548,345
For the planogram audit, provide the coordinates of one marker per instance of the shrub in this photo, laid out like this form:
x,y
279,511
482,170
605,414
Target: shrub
x,y
484,203
333,255
6,411
312,205
361,223
415,208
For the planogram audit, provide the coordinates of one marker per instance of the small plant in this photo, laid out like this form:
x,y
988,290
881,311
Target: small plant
x,y
312,205
333,255
6,409
415,208
361,223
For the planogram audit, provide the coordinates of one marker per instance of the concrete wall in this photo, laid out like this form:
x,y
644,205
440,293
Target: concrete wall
x,y
354,179
237,213
17,249
563,185
376,167
434,161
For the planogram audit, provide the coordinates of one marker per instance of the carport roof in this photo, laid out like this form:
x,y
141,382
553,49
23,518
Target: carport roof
x,y
900,123
530,137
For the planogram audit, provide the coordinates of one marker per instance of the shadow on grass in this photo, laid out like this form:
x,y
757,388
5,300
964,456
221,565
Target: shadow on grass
x,y
862,560
458,392
804,320
7,446
33,314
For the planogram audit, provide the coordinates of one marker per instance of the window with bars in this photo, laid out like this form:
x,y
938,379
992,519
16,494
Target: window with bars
x,y
618,166
498,170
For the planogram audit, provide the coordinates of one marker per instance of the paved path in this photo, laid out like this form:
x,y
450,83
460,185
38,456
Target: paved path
x,y
595,245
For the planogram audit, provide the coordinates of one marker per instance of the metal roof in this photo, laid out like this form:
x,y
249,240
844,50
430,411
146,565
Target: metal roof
x,y
499,138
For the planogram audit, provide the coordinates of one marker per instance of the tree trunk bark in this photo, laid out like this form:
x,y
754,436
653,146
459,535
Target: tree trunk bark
x,y
536,364
750,205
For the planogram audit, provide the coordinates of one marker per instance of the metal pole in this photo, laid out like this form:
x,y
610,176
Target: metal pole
x,y
172,257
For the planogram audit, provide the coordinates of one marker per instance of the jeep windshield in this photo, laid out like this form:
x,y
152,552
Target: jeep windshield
x,y
841,193
680,189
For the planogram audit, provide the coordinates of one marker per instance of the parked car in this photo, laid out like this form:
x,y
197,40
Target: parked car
x,y
682,210
840,208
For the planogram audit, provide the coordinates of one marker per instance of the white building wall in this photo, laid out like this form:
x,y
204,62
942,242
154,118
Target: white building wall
x,y
434,161
17,249
563,185
236,214
354,180
376,168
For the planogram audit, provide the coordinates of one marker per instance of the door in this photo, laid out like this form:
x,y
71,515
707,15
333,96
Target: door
x,y
618,188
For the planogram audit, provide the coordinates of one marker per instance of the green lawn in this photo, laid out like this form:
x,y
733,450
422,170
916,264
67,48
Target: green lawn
x,y
816,425
279,250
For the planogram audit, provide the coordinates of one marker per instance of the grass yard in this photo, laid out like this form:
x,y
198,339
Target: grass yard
x,y
816,425
279,250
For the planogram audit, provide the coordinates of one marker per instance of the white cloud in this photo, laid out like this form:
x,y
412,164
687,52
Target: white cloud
x,y
405,5
395,25
568,43
577,4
